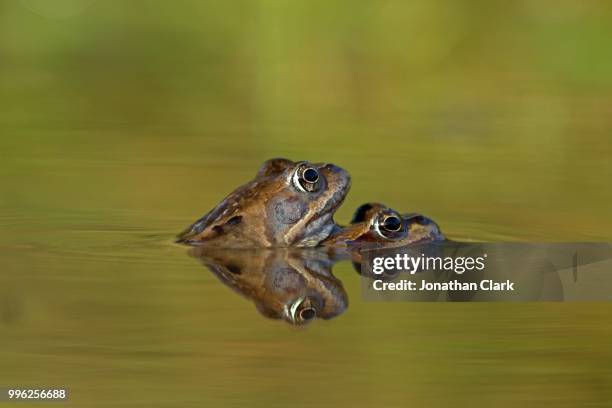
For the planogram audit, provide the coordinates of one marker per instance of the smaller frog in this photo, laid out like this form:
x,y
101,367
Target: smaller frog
x,y
286,204
377,223
376,226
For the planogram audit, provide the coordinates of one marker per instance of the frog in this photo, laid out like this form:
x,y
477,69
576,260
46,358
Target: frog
x,y
377,227
294,285
286,204
377,223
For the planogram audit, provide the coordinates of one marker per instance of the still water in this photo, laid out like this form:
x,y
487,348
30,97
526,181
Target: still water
x,y
95,296
121,125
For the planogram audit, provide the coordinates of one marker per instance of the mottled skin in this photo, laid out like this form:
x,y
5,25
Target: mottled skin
x,y
295,285
286,204
377,223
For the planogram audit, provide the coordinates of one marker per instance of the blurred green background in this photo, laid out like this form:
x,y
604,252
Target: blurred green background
x,y
121,122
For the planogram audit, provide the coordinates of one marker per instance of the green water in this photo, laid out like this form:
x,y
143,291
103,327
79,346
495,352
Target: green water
x,y
120,124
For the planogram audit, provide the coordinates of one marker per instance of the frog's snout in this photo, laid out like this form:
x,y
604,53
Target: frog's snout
x,y
338,172
338,179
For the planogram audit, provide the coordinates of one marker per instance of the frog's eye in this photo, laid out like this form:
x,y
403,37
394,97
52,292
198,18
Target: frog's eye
x,y
310,175
306,179
392,223
388,225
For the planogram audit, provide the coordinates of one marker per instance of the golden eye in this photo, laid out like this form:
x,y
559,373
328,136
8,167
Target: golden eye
x,y
389,225
302,311
392,223
306,179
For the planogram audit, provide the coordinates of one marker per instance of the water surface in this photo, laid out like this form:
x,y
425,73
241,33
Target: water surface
x,y
121,125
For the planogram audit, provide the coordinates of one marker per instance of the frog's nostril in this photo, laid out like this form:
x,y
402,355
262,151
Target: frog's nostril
x,y
308,314
418,218
423,220
332,167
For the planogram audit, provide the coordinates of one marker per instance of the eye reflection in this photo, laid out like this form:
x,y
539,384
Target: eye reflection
x,y
308,313
302,311
291,285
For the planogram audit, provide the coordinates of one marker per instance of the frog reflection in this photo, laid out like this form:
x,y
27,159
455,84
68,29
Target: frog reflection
x,y
294,285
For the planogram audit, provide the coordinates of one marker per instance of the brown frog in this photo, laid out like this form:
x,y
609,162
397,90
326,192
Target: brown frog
x,y
376,226
377,223
286,204
295,285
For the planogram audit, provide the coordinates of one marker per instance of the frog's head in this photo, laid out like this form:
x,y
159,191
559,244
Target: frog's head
x,y
375,222
372,222
286,204
379,223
